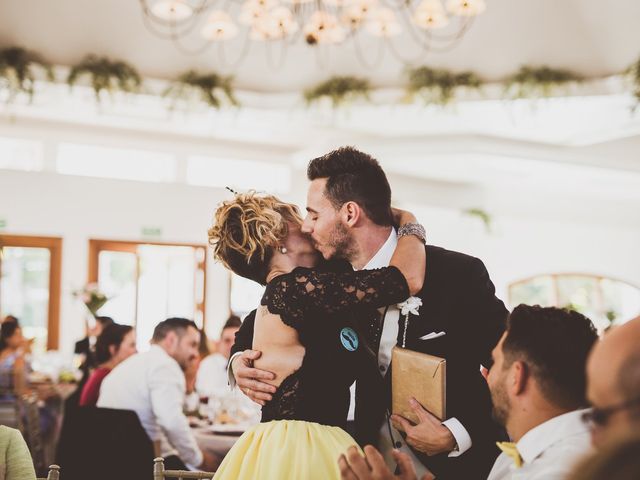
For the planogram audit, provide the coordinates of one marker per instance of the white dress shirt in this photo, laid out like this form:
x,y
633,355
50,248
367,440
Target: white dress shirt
x,y
549,451
212,379
389,338
153,385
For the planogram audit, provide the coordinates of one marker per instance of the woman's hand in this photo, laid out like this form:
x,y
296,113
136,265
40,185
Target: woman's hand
x,y
402,217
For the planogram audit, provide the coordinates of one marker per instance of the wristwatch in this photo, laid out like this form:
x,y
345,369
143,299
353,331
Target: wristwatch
x,y
413,229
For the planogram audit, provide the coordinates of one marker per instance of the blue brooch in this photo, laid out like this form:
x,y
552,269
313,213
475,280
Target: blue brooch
x,y
349,339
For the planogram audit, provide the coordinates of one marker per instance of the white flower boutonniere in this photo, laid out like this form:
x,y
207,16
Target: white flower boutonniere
x,y
410,306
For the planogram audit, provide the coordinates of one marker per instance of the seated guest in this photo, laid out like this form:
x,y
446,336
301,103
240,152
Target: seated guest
x,y
212,379
15,459
613,375
192,400
13,367
153,385
538,386
86,346
618,460
115,344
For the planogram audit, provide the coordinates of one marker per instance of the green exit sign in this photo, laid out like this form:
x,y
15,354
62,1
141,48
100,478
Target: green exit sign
x,y
152,232
3,223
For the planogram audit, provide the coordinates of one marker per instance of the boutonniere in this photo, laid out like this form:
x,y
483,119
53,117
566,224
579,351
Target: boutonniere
x,y
409,307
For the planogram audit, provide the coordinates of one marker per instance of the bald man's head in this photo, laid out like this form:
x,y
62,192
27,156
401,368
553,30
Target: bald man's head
x,y
613,380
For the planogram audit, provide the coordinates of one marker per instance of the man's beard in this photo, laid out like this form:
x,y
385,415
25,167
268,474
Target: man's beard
x,y
501,404
341,244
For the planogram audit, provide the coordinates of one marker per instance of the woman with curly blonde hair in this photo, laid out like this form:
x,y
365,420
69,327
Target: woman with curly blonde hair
x,y
306,330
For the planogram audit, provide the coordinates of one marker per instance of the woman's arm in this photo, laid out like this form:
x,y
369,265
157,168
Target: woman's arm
x,y
410,254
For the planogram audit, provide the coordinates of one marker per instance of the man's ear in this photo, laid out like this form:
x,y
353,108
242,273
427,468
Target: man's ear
x,y
519,377
351,213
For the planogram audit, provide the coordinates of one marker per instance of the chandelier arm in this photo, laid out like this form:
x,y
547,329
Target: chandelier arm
x,y
361,56
222,56
188,23
159,30
282,56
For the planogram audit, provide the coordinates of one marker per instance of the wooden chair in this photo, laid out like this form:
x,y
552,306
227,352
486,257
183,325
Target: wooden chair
x,y
31,430
54,473
159,473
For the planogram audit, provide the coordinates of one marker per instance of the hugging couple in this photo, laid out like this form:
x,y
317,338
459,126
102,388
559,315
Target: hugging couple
x,y
329,317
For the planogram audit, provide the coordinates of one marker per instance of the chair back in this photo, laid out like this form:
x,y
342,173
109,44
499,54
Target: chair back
x,y
54,473
31,429
159,473
104,444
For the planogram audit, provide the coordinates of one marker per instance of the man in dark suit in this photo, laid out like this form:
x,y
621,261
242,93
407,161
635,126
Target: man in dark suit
x,y
350,218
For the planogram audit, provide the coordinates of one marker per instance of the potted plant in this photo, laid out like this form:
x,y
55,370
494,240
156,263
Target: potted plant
x,y
536,82
439,86
19,69
211,88
106,75
340,90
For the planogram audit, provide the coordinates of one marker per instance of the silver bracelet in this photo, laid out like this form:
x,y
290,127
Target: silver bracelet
x,y
413,229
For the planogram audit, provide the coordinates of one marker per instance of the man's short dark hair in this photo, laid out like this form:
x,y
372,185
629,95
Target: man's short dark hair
x,y
232,322
175,324
554,343
104,321
354,176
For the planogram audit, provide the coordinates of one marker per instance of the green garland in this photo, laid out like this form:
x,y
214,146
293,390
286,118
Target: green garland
x,y
536,82
340,90
439,86
18,71
634,72
206,87
106,75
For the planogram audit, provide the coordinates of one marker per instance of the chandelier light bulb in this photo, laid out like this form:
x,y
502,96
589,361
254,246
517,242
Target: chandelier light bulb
x,y
466,8
382,22
172,10
430,14
219,26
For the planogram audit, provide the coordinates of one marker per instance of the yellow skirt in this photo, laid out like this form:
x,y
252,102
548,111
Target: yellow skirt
x,y
286,450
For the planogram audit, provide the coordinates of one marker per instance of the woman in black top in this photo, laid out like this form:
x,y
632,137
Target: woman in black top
x,y
305,328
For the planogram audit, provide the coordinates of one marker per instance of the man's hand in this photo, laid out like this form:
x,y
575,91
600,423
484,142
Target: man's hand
x,y
354,466
249,379
429,435
210,462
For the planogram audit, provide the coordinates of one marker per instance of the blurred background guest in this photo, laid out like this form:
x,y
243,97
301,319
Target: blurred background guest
x,y
15,459
212,378
86,346
613,374
192,401
617,461
115,344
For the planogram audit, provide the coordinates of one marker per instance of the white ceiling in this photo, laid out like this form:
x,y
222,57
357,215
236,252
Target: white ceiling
x,y
593,37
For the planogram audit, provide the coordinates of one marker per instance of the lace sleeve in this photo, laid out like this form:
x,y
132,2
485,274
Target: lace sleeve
x,y
305,291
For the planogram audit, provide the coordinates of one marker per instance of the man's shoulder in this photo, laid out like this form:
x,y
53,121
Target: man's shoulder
x,y
450,258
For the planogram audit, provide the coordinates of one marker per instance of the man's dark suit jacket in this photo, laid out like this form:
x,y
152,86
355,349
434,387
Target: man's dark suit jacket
x,y
458,298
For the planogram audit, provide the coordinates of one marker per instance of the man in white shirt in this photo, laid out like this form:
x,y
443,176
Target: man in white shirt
x,y
153,385
211,379
538,386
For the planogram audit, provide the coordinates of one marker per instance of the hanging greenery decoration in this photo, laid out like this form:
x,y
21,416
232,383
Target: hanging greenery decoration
x,y
19,69
106,75
439,86
536,82
340,90
634,72
208,87
483,215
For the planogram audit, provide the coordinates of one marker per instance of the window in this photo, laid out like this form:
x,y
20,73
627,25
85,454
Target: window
x,y
245,295
126,164
240,174
20,154
147,283
604,300
30,286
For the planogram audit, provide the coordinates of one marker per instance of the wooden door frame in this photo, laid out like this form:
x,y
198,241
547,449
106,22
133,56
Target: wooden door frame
x,y
131,246
54,245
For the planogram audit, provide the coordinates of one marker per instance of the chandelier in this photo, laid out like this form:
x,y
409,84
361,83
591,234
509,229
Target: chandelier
x,y
431,25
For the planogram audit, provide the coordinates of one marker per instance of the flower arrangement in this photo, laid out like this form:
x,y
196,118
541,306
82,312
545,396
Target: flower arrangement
x,y
92,297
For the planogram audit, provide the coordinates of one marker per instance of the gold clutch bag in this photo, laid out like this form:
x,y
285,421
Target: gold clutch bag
x,y
421,376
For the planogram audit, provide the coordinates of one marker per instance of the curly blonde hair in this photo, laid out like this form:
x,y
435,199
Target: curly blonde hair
x,y
246,231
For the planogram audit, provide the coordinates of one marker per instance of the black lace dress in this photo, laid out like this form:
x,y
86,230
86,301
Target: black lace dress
x,y
325,309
